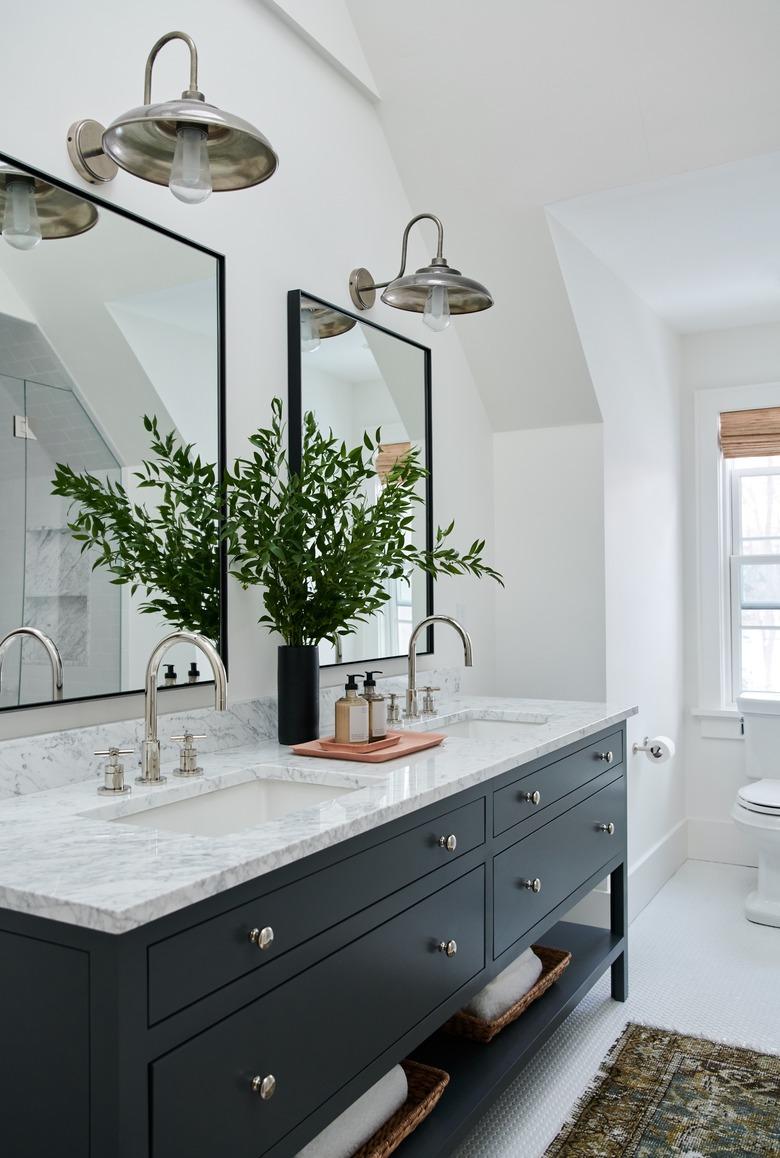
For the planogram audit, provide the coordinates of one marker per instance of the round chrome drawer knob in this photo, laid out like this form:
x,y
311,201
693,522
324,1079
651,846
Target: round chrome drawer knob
x,y
263,938
533,886
265,1087
448,947
608,828
607,757
532,798
449,842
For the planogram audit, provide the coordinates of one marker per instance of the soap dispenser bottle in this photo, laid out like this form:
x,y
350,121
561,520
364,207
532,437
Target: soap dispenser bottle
x,y
377,707
351,715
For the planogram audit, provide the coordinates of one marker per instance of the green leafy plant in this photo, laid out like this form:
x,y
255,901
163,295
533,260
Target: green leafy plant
x,y
171,549
317,542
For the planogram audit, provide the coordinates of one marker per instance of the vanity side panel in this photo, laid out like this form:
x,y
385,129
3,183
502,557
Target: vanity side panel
x,y
44,1048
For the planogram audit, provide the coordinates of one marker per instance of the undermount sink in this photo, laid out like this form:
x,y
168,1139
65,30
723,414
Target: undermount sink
x,y
477,729
227,810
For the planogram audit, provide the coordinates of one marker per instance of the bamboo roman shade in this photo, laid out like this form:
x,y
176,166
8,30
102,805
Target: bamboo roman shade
x,y
750,433
388,454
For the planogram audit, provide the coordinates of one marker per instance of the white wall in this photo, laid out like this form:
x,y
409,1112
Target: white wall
x,y
549,511
633,359
721,369
336,193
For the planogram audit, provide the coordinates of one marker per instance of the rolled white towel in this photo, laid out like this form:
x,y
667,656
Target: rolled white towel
x,y
504,990
358,1122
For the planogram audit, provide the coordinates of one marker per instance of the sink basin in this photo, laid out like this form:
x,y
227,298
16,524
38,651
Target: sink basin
x,y
228,810
492,729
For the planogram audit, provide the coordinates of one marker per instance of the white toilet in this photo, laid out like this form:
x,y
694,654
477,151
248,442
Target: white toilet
x,y
757,807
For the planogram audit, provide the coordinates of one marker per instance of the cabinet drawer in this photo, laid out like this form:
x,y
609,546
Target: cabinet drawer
x,y
560,856
187,966
315,1032
515,803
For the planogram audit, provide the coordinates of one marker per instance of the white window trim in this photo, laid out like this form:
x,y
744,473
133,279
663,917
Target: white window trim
x,y
713,539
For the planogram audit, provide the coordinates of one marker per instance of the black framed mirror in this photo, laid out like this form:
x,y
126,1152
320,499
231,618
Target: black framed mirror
x,y
104,318
355,375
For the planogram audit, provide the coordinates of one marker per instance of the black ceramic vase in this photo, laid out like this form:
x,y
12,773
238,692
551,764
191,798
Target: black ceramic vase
x,y
298,688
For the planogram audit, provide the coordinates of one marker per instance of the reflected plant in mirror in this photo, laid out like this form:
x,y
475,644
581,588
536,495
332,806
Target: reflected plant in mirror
x,y
169,550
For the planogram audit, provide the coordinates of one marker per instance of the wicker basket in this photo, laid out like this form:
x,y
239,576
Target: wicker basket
x,y
554,961
426,1086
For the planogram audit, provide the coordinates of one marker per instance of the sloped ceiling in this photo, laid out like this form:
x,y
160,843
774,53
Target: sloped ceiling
x,y
495,110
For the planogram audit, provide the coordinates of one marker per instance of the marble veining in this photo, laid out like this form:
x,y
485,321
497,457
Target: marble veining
x,y
35,763
65,854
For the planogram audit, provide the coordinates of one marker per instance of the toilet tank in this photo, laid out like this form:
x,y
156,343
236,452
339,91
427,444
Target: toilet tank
x,y
761,713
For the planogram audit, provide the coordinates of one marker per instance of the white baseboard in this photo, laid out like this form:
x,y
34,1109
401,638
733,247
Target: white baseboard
x,y
645,878
719,840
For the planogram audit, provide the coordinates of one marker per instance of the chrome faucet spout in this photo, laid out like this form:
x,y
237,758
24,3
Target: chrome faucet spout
x,y
150,750
48,645
412,711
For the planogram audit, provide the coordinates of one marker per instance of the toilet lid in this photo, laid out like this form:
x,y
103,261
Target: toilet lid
x,y
762,796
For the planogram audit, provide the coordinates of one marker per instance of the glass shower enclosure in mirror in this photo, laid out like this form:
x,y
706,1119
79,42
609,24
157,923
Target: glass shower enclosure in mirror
x,y
104,319
356,376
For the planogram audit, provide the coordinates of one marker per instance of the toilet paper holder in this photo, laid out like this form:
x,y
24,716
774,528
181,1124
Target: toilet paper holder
x,y
658,750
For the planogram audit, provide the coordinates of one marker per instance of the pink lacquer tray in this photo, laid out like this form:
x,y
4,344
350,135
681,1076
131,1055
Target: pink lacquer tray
x,y
408,742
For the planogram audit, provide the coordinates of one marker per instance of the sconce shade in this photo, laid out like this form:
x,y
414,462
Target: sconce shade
x,y
465,295
143,141
329,323
60,213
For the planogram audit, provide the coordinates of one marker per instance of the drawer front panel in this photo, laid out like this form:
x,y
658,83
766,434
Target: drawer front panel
x,y
188,966
559,856
518,802
315,1032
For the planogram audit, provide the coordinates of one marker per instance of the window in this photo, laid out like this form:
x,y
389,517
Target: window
x,y
753,513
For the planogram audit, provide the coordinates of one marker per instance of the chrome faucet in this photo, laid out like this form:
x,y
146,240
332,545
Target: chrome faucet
x,y
412,712
48,645
150,749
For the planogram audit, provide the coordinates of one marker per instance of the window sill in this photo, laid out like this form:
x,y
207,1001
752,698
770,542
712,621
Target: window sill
x,y
719,723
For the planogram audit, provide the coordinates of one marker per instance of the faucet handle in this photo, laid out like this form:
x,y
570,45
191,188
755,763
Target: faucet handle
x,y
114,772
429,704
188,757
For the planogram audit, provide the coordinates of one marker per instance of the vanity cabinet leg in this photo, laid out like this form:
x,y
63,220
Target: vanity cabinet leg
x,y
619,926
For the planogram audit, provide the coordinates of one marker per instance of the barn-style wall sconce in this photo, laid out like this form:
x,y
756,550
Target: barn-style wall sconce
x,y
435,291
192,147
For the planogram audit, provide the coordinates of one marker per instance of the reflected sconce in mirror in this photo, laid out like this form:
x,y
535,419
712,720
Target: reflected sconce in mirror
x,y
192,147
32,210
436,291
318,322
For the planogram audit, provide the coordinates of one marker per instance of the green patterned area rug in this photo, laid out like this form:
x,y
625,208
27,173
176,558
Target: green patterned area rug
x,y
659,1093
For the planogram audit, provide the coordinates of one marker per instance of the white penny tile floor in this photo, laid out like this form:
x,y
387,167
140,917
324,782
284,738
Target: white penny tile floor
x,y
696,965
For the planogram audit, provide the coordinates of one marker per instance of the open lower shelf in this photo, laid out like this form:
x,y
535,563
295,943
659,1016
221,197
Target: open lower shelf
x,y
478,1072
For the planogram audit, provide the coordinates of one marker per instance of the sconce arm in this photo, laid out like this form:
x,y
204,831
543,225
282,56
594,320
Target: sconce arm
x,y
193,89
405,245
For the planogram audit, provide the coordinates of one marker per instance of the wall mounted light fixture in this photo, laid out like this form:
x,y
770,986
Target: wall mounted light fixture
x,y
435,291
32,210
318,322
192,147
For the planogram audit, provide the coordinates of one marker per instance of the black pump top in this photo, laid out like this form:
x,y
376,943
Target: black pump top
x,y
170,671
351,684
194,672
369,681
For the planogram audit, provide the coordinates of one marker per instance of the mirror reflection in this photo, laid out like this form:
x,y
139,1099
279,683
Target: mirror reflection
x,y
98,329
355,376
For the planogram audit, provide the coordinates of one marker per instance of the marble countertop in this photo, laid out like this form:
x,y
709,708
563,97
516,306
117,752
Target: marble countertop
x,y
65,853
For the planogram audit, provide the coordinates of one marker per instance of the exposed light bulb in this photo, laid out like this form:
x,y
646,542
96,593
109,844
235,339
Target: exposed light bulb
x,y
190,178
310,333
437,308
21,227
